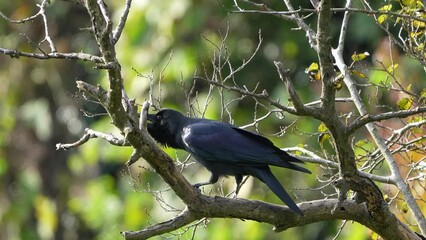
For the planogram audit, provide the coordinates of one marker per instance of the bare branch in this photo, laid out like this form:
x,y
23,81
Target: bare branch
x,y
262,8
284,14
264,95
23,20
136,155
244,64
89,134
53,55
96,92
341,100
313,158
344,27
46,28
363,120
123,19
143,118
183,219
298,105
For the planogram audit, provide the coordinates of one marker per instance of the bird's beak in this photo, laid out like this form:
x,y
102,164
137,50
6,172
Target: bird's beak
x,y
151,117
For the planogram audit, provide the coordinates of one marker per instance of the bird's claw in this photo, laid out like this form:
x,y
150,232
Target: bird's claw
x,y
197,187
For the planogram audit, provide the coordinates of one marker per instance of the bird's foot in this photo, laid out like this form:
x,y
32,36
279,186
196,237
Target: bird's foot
x,y
235,195
197,187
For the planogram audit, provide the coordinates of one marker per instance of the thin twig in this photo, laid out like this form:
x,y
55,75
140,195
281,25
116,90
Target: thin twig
x,y
89,134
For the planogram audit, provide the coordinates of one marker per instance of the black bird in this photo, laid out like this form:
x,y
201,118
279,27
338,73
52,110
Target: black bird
x,y
224,149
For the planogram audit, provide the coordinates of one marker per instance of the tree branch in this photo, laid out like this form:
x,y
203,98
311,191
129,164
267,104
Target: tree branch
x,y
294,17
183,219
53,55
393,165
344,27
363,120
264,95
279,216
89,134
297,103
286,15
328,163
123,19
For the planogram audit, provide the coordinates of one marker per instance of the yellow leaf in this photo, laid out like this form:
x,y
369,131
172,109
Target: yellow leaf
x,y
313,67
416,130
322,128
313,71
322,137
337,85
386,8
398,19
358,73
392,68
382,18
359,57
423,93
420,14
386,198
375,236
299,153
404,103
418,24
416,34
46,215
420,47
415,119
413,4
408,88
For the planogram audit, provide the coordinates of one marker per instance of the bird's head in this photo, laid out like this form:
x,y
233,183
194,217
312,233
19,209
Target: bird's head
x,y
166,126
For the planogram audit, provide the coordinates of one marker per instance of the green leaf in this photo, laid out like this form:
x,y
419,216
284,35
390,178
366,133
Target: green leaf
x,y
361,143
380,78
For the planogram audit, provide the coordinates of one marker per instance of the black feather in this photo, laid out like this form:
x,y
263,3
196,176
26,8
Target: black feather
x,y
224,149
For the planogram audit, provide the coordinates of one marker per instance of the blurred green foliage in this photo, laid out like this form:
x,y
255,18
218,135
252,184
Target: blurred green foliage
x,y
87,193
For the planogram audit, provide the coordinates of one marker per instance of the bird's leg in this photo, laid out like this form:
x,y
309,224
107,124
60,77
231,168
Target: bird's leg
x,y
213,179
238,180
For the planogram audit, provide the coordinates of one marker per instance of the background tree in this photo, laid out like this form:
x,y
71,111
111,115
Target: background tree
x,y
301,81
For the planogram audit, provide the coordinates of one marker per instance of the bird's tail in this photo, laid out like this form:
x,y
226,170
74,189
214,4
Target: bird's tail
x,y
288,162
292,166
266,176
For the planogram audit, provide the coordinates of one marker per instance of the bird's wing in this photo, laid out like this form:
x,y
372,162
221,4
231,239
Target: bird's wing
x,y
222,142
266,142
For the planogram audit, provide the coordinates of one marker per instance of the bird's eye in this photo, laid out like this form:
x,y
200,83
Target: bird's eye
x,y
158,117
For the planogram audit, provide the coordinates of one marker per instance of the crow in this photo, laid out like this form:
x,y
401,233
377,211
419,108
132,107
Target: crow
x,y
224,149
